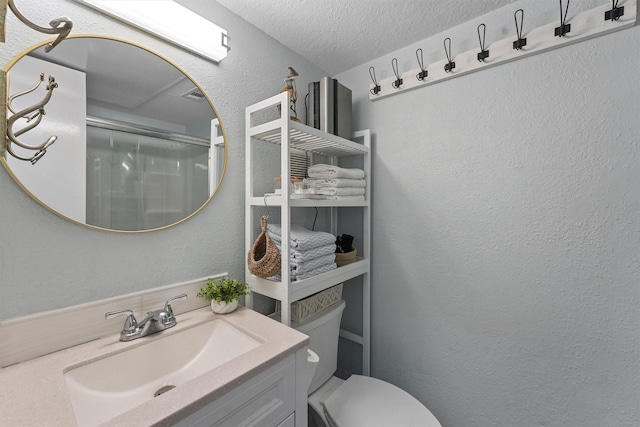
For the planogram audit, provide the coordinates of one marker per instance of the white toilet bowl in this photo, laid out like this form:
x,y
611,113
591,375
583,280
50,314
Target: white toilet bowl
x,y
358,401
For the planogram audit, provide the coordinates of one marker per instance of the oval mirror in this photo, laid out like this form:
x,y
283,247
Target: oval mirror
x,y
139,145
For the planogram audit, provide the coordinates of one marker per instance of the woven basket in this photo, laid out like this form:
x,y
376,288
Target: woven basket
x,y
263,258
307,307
346,258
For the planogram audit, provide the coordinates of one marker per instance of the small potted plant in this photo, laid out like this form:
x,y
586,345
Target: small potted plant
x,y
224,294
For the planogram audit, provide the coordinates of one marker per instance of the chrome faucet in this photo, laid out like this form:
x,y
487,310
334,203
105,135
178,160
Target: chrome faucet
x,y
156,321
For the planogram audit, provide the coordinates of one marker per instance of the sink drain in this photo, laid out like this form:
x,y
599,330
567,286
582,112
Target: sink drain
x,y
163,390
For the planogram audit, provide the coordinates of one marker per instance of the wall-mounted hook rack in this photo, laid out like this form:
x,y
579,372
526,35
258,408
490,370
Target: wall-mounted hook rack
x,y
584,26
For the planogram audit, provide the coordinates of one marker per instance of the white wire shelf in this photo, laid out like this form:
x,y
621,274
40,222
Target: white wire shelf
x,y
305,138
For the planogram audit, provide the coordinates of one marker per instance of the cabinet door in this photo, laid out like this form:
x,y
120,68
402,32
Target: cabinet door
x,y
265,400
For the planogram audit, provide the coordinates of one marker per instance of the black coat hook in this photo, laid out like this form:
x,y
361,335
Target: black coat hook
x,y
615,13
376,86
484,53
564,28
394,64
423,73
447,51
521,42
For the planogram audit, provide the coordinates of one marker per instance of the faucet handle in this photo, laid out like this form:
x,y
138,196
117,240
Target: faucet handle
x,y
130,324
167,305
165,316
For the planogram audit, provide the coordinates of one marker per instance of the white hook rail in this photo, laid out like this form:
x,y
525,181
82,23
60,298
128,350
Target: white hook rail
x,y
584,26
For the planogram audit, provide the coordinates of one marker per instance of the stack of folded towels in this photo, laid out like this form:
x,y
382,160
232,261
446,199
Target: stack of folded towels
x,y
310,252
337,183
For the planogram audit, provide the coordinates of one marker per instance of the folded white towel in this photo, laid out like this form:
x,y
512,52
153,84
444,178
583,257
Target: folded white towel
x,y
298,257
352,198
343,191
338,183
301,238
329,172
306,196
305,267
314,272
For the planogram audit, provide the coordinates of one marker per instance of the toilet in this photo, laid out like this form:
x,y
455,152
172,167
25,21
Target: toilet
x,y
358,401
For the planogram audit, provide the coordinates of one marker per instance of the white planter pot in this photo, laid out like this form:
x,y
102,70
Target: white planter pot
x,y
224,307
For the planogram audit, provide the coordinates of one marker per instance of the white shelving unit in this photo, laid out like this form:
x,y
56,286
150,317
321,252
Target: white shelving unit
x,y
289,134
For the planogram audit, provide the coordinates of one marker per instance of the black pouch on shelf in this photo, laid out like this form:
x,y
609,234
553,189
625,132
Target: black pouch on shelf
x,y
344,243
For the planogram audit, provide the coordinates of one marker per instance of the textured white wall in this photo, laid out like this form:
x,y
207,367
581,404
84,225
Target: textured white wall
x,y
505,211
47,262
506,231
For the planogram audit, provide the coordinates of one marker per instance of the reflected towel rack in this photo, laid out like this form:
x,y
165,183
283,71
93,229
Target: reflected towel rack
x,y
33,115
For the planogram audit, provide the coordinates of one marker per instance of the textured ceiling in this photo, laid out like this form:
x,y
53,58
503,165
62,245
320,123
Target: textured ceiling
x,y
337,35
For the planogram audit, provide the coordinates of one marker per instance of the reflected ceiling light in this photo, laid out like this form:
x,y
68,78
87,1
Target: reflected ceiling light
x,y
169,21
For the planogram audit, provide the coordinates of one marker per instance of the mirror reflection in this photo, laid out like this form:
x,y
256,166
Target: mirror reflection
x,y
139,146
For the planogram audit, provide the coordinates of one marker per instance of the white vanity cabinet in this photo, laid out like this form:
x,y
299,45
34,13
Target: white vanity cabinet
x,y
265,385
316,146
268,399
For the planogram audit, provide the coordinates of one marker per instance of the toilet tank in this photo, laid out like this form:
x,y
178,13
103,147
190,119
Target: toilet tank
x,y
323,330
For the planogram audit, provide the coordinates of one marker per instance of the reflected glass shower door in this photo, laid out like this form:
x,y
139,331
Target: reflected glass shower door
x,y
125,182
140,182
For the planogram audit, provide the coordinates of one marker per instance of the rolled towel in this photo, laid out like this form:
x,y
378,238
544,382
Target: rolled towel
x,y
300,237
343,191
329,172
338,183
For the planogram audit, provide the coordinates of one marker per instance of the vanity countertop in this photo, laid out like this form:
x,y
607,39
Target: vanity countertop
x,y
34,392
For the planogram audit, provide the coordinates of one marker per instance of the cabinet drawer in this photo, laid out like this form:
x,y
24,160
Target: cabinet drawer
x,y
265,400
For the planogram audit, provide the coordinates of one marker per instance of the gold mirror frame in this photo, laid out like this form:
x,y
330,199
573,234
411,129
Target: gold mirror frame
x,y
4,75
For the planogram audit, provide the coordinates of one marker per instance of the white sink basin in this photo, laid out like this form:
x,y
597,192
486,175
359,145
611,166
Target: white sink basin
x,y
106,388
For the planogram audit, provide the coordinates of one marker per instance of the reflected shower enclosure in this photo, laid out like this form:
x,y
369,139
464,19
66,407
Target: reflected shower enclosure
x,y
142,182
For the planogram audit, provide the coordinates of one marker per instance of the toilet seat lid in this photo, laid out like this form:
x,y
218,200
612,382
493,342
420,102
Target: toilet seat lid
x,y
365,401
